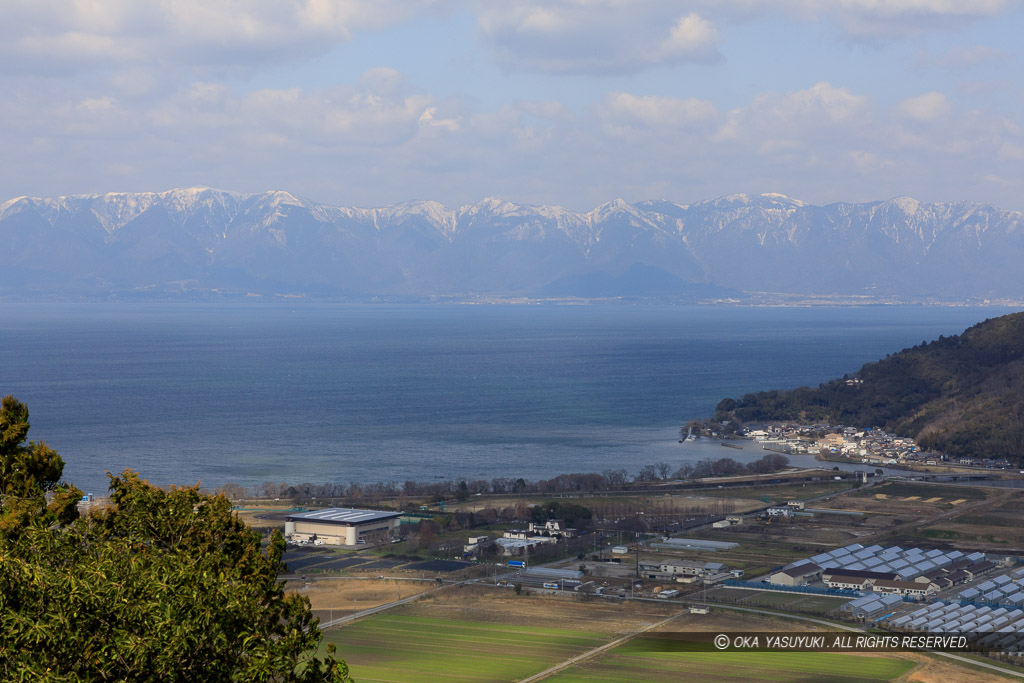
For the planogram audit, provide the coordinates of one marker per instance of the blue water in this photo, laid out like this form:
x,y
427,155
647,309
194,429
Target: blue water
x,y
336,393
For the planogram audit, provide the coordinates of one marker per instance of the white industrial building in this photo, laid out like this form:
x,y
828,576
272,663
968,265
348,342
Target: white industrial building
x,y
342,526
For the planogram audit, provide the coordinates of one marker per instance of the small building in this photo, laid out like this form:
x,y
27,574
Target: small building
x,y
476,544
342,526
691,568
914,589
800,575
853,583
779,511
520,546
872,606
553,527
979,568
827,574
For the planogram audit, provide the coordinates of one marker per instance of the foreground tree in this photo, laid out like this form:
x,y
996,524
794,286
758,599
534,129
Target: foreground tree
x,y
30,486
160,586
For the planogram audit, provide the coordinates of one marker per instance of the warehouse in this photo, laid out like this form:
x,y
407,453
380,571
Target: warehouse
x,y
800,575
342,526
872,606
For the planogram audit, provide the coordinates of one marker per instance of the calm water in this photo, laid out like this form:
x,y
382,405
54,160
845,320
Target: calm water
x,y
319,392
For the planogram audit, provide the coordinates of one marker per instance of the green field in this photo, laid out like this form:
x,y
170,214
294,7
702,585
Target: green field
x,y
399,648
632,663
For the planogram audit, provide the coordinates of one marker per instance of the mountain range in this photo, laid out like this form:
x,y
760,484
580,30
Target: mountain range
x,y
201,241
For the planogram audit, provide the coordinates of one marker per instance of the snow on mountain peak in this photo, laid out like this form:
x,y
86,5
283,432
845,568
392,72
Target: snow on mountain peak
x,y
782,198
909,205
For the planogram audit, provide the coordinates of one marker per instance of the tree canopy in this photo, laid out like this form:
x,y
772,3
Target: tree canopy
x,y
162,585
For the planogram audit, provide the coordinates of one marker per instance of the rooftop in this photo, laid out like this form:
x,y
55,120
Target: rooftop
x,y
342,516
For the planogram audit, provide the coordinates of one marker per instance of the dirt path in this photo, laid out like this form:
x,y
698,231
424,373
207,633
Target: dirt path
x,y
598,650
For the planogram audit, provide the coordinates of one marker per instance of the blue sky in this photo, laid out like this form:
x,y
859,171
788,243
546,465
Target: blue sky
x,y
570,102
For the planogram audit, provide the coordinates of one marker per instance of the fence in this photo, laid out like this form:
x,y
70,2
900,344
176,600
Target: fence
x,y
810,590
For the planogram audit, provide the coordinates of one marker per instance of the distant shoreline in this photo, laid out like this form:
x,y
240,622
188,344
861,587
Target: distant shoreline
x,y
764,300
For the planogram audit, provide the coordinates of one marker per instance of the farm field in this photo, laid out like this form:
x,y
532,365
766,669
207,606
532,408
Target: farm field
x,y
402,647
632,662
476,634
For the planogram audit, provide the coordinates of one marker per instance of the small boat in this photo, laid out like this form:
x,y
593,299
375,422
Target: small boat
x,y
689,435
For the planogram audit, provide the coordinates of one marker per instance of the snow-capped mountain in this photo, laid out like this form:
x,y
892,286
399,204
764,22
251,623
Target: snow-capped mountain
x,y
203,240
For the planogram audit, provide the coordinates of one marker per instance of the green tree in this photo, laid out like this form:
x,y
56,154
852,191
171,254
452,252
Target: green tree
x,y
159,586
30,486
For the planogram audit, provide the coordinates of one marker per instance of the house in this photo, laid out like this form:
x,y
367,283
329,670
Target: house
x,y
979,568
476,544
692,568
553,527
853,583
908,588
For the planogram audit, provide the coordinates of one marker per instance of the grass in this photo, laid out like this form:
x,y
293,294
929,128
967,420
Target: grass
x,y
412,649
987,520
630,662
940,533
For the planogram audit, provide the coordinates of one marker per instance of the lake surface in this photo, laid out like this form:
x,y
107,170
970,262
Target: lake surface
x,y
336,393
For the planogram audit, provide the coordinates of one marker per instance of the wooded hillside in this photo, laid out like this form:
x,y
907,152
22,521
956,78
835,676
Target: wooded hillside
x,y
962,395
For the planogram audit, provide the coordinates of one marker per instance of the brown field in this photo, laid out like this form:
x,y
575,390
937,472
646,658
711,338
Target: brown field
x,y
941,670
501,605
339,597
267,516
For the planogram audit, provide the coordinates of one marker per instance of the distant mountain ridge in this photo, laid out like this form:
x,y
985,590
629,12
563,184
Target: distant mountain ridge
x,y
201,240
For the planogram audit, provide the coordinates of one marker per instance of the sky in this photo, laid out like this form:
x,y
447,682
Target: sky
x,y
565,102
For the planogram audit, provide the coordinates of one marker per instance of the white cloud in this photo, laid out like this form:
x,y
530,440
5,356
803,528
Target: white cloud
x,y
926,107
65,37
963,57
883,19
595,36
803,111
691,37
1011,151
650,110
94,105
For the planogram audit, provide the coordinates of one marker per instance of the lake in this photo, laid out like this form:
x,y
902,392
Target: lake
x,y
315,392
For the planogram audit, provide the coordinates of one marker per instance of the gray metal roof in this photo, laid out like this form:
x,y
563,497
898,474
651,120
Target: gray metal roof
x,y
548,573
342,516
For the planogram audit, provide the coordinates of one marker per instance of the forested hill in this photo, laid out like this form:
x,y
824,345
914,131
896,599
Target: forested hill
x,y
962,395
